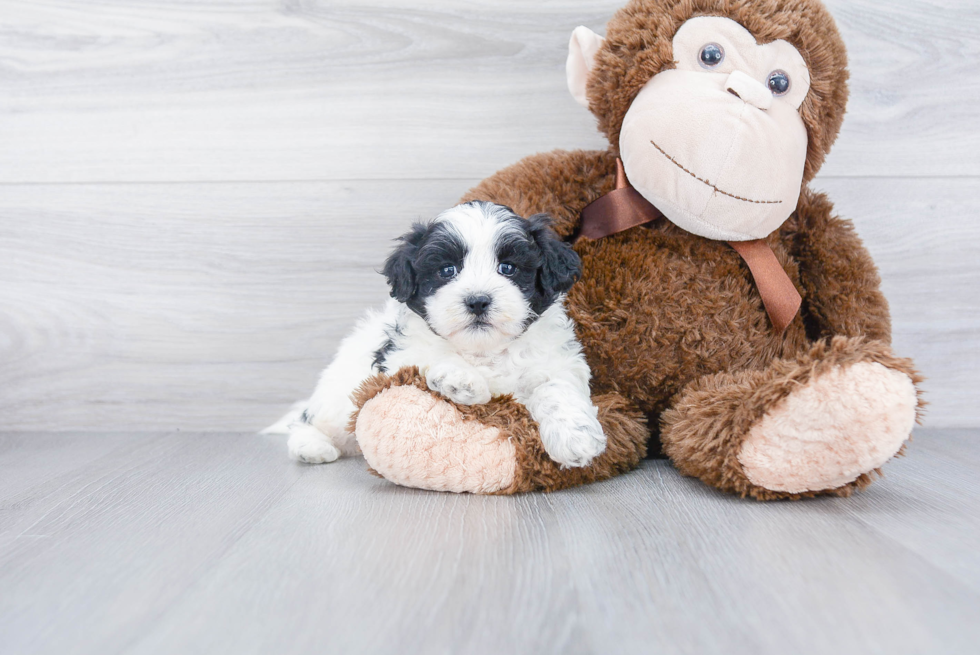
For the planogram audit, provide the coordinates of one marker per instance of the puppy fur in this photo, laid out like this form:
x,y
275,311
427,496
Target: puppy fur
x,y
478,306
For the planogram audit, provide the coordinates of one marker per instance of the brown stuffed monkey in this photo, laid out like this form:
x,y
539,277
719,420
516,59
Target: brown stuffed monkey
x,y
728,316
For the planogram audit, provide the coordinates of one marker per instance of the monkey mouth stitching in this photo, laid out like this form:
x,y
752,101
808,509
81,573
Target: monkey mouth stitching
x,y
703,181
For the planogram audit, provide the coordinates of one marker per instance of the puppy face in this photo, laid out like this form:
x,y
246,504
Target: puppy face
x,y
480,274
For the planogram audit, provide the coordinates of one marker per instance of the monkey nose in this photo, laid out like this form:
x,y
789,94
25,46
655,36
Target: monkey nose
x,y
749,90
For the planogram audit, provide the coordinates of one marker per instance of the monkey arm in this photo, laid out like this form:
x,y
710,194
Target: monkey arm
x,y
559,182
840,280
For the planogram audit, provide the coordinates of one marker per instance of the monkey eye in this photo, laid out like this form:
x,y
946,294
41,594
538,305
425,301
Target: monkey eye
x,y
447,272
778,83
711,56
506,269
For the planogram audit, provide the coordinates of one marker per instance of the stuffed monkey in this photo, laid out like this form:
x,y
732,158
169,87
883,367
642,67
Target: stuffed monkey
x,y
731,320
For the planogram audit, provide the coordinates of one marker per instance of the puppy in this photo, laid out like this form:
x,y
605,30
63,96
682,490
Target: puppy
x,y
478,306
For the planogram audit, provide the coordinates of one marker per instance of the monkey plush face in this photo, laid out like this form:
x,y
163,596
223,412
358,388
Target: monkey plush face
x,y
716,125
717,143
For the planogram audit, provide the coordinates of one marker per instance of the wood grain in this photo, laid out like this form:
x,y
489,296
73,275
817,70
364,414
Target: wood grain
x,y
134,528
214,306
932,493
191,305
921,233
204,543
194,198
101,91
185,305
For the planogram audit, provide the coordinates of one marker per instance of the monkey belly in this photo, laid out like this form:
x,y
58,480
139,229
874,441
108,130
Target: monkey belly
x,y
658,308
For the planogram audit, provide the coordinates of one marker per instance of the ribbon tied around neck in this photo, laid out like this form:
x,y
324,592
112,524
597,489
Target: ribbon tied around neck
x,y
624,208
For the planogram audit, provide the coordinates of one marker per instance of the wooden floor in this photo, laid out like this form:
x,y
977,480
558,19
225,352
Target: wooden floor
x,y
214,543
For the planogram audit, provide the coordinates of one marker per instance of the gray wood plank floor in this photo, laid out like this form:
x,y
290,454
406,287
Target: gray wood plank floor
x,y
211,543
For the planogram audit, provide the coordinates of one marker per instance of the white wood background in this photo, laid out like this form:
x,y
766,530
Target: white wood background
x,y
195,194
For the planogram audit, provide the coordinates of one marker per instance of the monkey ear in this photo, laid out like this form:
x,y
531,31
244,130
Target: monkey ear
x,y
399,268
560,265
581,55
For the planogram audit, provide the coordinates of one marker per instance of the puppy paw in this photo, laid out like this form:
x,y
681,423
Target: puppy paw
x,y
572,438
461,385
307,444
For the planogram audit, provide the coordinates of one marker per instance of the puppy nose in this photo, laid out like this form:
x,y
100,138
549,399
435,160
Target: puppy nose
x,y
478,304
749,90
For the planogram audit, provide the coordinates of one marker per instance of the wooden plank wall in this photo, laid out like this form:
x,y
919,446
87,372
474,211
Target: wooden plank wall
x,y
195,194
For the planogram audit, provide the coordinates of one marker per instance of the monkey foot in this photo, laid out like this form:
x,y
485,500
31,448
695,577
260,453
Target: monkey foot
x,y
416,439
836,427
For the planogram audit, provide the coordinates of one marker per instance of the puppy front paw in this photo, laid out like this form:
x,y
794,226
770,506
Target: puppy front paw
x,y
572,438
307,444
461,385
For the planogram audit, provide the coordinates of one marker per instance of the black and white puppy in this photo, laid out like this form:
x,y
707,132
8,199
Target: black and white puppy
x,y
478,305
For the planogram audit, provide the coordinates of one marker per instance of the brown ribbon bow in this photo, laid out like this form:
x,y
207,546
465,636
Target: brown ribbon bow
x,y
624,208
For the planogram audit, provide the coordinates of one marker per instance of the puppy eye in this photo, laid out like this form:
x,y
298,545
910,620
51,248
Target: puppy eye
x,y
447,272
778,83
711,56
506,269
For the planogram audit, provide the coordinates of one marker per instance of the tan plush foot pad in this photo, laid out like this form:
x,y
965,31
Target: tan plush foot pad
x,y
837,427
821,423
416,438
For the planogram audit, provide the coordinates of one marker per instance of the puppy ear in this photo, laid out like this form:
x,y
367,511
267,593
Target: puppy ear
x,y
399,268
560,266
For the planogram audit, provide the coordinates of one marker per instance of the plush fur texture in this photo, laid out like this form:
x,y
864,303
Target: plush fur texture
x,y
671,323
490,448
705,429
